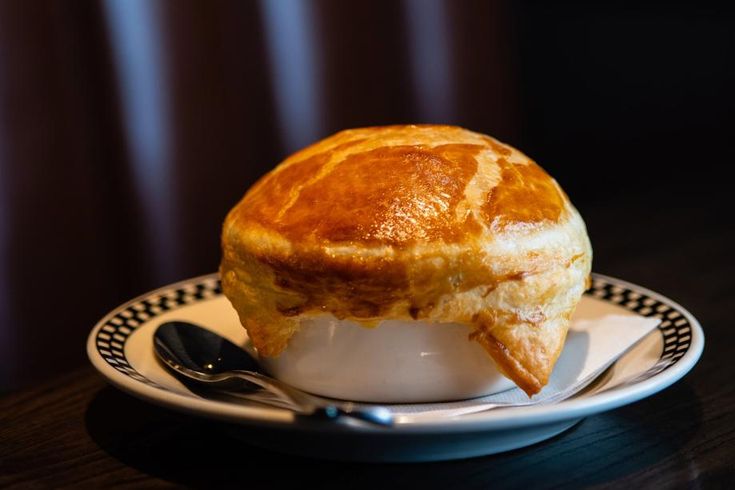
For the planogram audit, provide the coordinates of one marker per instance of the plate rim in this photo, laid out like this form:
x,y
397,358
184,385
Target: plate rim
x,y
492,420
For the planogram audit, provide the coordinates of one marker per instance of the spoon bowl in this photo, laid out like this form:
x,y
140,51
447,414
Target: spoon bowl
x,y
207,358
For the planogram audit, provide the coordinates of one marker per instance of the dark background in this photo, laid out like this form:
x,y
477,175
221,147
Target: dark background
x,y
129,128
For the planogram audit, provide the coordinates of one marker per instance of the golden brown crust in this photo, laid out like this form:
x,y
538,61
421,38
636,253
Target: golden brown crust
x,y
430,222
508,364
393,195
525,195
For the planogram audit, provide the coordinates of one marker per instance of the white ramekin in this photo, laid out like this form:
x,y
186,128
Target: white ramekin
x,y
395,362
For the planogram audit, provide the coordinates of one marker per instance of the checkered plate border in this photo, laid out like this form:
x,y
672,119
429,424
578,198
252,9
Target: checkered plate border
x,y
121,323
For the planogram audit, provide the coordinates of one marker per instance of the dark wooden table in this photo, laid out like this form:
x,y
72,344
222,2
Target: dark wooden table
x,y
75,431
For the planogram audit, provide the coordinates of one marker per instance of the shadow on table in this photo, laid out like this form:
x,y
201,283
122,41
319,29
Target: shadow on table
x,y
199,453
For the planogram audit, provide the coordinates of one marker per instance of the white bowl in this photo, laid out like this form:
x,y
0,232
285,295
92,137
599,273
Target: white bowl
x,y
395,362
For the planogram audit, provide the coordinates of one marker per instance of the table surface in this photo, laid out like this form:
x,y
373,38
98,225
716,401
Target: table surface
x,y
76,431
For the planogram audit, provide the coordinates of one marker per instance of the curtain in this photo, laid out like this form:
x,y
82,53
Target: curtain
x,y
128,128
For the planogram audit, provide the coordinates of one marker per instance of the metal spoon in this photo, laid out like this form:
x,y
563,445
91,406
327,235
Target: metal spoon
x,y
208,358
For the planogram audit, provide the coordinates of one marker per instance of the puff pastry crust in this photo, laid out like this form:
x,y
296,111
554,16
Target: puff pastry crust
x,y
411,222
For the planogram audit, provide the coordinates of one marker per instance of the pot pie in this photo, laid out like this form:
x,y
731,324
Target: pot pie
x,y
415,223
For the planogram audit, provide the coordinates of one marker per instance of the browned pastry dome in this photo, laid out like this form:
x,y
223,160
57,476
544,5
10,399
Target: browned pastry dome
x,y
399,222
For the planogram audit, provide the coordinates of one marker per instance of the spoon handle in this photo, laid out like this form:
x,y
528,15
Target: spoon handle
x,y
310,404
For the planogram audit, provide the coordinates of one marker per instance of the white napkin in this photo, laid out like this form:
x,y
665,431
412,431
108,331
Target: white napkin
x,y
596,336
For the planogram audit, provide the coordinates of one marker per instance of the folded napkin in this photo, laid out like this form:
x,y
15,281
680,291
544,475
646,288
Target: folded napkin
x,y
598,333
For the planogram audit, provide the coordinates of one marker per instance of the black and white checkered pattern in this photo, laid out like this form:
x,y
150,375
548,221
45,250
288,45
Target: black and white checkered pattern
x,y
112,336
675,328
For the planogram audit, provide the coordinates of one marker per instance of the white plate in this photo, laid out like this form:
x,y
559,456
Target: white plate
x,y
120,347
